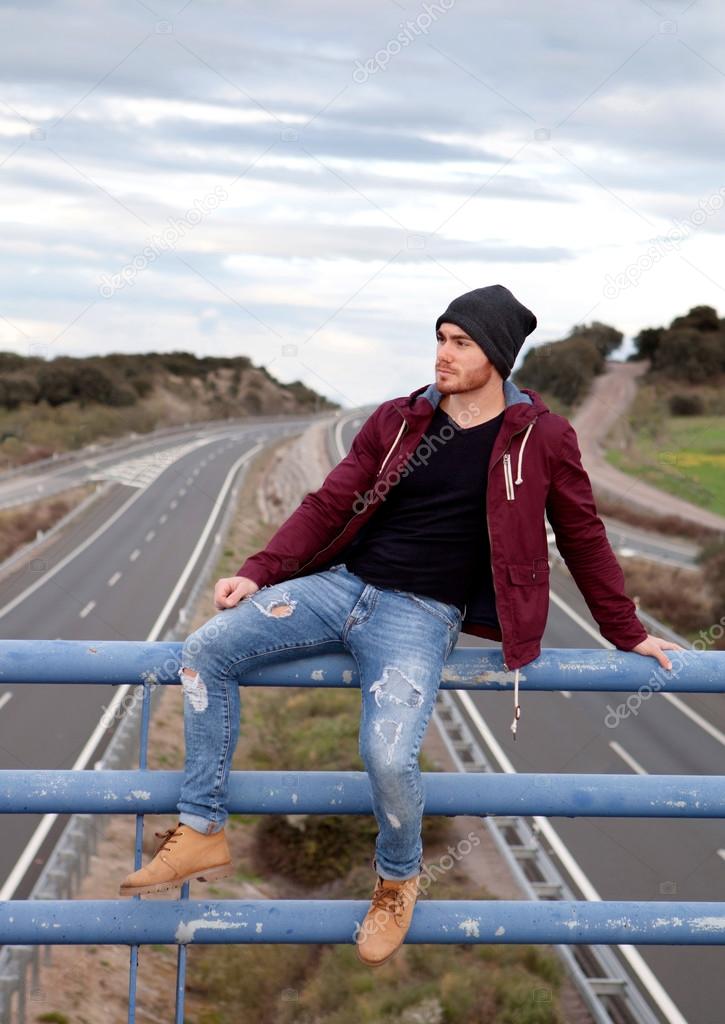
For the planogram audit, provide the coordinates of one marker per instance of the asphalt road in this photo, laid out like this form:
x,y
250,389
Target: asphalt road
x,y
113,588
623,858
116,587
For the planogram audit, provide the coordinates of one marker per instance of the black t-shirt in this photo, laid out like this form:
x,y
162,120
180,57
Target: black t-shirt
x,y
430,534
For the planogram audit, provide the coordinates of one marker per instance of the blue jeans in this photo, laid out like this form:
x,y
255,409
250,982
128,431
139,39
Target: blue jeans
x,y
400,642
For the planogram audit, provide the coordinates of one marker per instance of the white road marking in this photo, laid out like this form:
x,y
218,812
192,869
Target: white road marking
x,y
42,580
173,503
163,518
721,853
182,492
134,555
5,698
38,837
631,955
88,608
703,723
114,579
338,433
150,535
143,470
627,758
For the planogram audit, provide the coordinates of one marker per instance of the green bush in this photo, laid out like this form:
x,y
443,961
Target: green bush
x,y
647,342
55,384
690,355
16,388
686,405
563,368
11,361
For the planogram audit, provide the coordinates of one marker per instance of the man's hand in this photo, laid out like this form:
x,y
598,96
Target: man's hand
x,y
655,645
230,590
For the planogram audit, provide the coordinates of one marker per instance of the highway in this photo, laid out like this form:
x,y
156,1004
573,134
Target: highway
x,y
110,576
619,858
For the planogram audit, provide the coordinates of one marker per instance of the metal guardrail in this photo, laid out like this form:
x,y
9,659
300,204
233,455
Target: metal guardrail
x,y
26,925
68,862
135,440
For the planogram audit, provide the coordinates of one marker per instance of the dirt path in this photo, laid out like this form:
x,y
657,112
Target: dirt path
x,y
612,394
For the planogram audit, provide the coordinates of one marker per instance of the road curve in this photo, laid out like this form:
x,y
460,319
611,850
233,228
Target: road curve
x,y
610,397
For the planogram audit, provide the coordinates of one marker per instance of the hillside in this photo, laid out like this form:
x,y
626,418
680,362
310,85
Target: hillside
x,y
673,435
63,404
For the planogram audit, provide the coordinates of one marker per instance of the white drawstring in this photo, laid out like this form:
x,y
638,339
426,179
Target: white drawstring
x,y
517,706
519,479
390,451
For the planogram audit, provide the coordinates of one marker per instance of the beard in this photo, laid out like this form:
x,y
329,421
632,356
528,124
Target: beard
x,y
465,380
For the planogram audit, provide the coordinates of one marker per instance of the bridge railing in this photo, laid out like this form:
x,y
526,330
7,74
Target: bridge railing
x,y
139,668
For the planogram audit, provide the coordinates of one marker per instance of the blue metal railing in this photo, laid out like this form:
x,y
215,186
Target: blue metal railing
x,y
140,792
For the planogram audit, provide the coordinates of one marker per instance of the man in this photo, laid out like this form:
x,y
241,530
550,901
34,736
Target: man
x,y
432,524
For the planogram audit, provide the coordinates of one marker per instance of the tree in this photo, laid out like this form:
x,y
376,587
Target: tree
x,y
647,342
17,388
690,355
605,339
55,384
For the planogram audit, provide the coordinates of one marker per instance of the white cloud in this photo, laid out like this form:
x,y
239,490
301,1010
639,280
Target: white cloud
x,y
541,148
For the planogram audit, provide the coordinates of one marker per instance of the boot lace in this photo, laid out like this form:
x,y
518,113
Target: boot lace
x,y
166,838
391,900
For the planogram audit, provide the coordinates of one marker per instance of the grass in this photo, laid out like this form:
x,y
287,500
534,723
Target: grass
x,y
682,455
455,984
329,856
680,598
19,525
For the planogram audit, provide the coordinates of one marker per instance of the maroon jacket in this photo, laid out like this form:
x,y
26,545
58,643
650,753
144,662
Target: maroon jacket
x,y
535,470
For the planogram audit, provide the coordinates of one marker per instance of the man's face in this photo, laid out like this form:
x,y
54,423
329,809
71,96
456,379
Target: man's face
x,y
467,364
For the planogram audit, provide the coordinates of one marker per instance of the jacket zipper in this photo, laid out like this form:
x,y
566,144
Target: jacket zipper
x,y
390,451
506,456
337,536
508,476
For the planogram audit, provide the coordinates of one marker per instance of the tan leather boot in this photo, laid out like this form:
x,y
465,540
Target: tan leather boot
x,y
183,854
388,919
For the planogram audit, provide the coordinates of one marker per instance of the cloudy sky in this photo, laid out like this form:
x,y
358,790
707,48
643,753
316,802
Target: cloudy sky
x,y
310,184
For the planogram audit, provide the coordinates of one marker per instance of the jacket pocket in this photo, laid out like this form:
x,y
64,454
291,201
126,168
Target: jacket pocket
x,y
529,573
529,599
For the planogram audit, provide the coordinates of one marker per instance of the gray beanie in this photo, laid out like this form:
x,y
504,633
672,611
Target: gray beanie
x,y
496,321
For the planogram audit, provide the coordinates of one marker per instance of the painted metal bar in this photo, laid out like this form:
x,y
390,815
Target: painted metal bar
x,y
122,662
127,922
181,968
138,846
569,794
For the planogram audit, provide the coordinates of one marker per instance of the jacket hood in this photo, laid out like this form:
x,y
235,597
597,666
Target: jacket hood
x,y
427,397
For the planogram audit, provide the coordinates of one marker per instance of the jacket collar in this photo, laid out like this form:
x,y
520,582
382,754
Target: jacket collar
x,y
522,405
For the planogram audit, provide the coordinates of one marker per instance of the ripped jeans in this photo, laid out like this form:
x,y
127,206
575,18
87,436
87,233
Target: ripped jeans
x,y
399,641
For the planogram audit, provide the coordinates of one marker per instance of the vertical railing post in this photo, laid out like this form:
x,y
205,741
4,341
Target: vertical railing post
x,y
138,852
181,969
